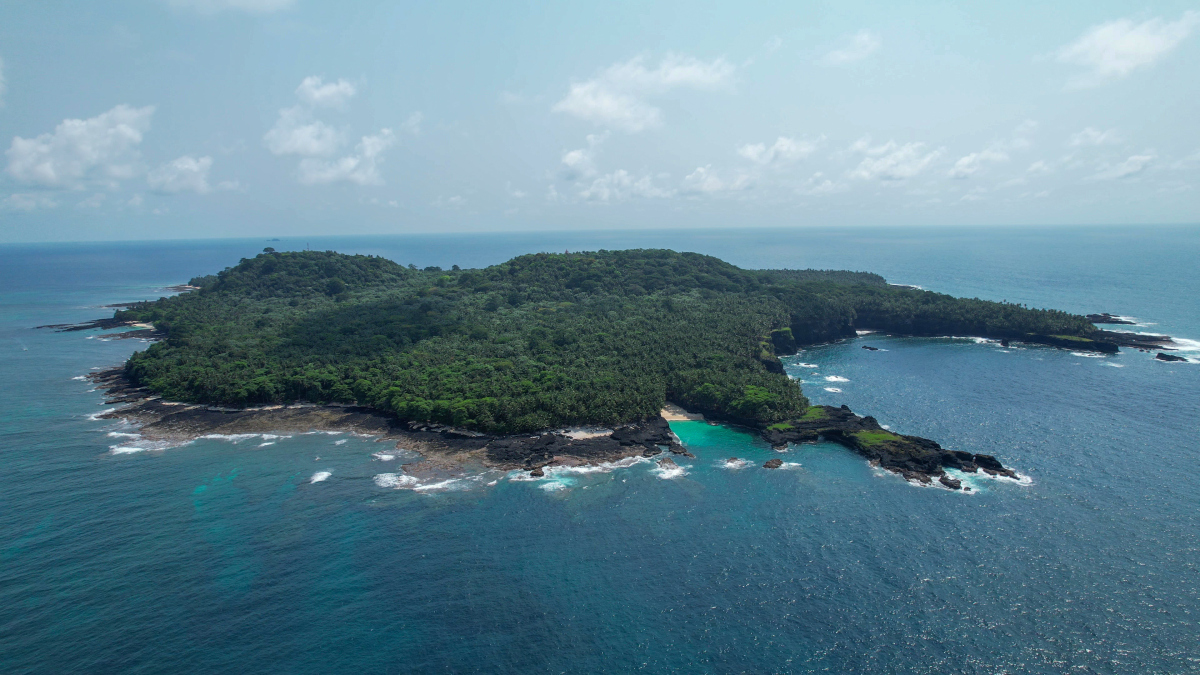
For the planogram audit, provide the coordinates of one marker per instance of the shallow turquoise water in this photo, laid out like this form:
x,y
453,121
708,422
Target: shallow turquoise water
x,y
223,556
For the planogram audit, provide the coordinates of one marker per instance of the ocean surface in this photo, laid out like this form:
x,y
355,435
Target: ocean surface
x,y
312,553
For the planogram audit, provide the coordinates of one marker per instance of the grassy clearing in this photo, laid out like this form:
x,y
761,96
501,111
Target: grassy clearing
x,y
871,438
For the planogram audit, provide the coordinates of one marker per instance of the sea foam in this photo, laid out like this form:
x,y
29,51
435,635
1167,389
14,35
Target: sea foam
x,y
836,378
667,473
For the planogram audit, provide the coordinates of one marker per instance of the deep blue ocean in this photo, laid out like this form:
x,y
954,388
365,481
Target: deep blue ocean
x,y
224,555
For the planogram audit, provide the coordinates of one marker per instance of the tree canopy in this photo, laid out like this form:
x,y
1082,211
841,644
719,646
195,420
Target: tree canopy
x,y
541,341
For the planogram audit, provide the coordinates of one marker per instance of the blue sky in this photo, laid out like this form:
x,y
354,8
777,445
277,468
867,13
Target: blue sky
x,y
219,118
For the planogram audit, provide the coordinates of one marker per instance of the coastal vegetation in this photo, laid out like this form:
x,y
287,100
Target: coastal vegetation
x,y
541,341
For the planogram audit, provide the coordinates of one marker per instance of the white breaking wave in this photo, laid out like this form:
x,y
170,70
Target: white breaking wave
x,y
836,378
790,465
339,442
1114,365
238,438
1088,355
667,473
734,464
407,482
833,390
383,456
556,472
320,476
808,365
139,444
81,378
393,480
1186,345
448,484
95,416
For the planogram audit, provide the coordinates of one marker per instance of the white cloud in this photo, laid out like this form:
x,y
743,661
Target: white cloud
x,y
412,125
1113,50
1132,166
615,97
102,148
972,163
1091,136
578,164
892,161
784,150
1038,168
581,162
185,174
863,44
705,180
251,6
620,186
315,92
362,167
820,185
297,133
28,201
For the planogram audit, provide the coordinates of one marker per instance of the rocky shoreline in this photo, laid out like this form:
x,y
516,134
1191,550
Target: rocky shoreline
x,y
442,447
449,449
915,458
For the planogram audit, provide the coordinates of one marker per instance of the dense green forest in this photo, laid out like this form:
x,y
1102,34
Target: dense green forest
x,y
540,341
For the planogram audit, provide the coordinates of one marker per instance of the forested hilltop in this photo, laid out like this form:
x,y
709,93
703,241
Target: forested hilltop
x,y
540,341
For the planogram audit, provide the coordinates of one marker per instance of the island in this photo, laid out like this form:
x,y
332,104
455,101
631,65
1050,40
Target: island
x,y
545,359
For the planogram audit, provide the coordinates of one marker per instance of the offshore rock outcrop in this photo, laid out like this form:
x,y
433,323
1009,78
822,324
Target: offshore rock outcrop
x,y
915,458
1105,317
1168,357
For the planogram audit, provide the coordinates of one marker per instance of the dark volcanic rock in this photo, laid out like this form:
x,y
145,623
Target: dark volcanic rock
x,y
1135,340
96,324
537,472
913,457
1169,357
1107,318
1099,342
667,463
870,348
773,463
952,483
773,365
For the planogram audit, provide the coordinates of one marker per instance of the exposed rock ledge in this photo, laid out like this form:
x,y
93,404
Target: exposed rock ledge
x,y
445,448
915,458
442,447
